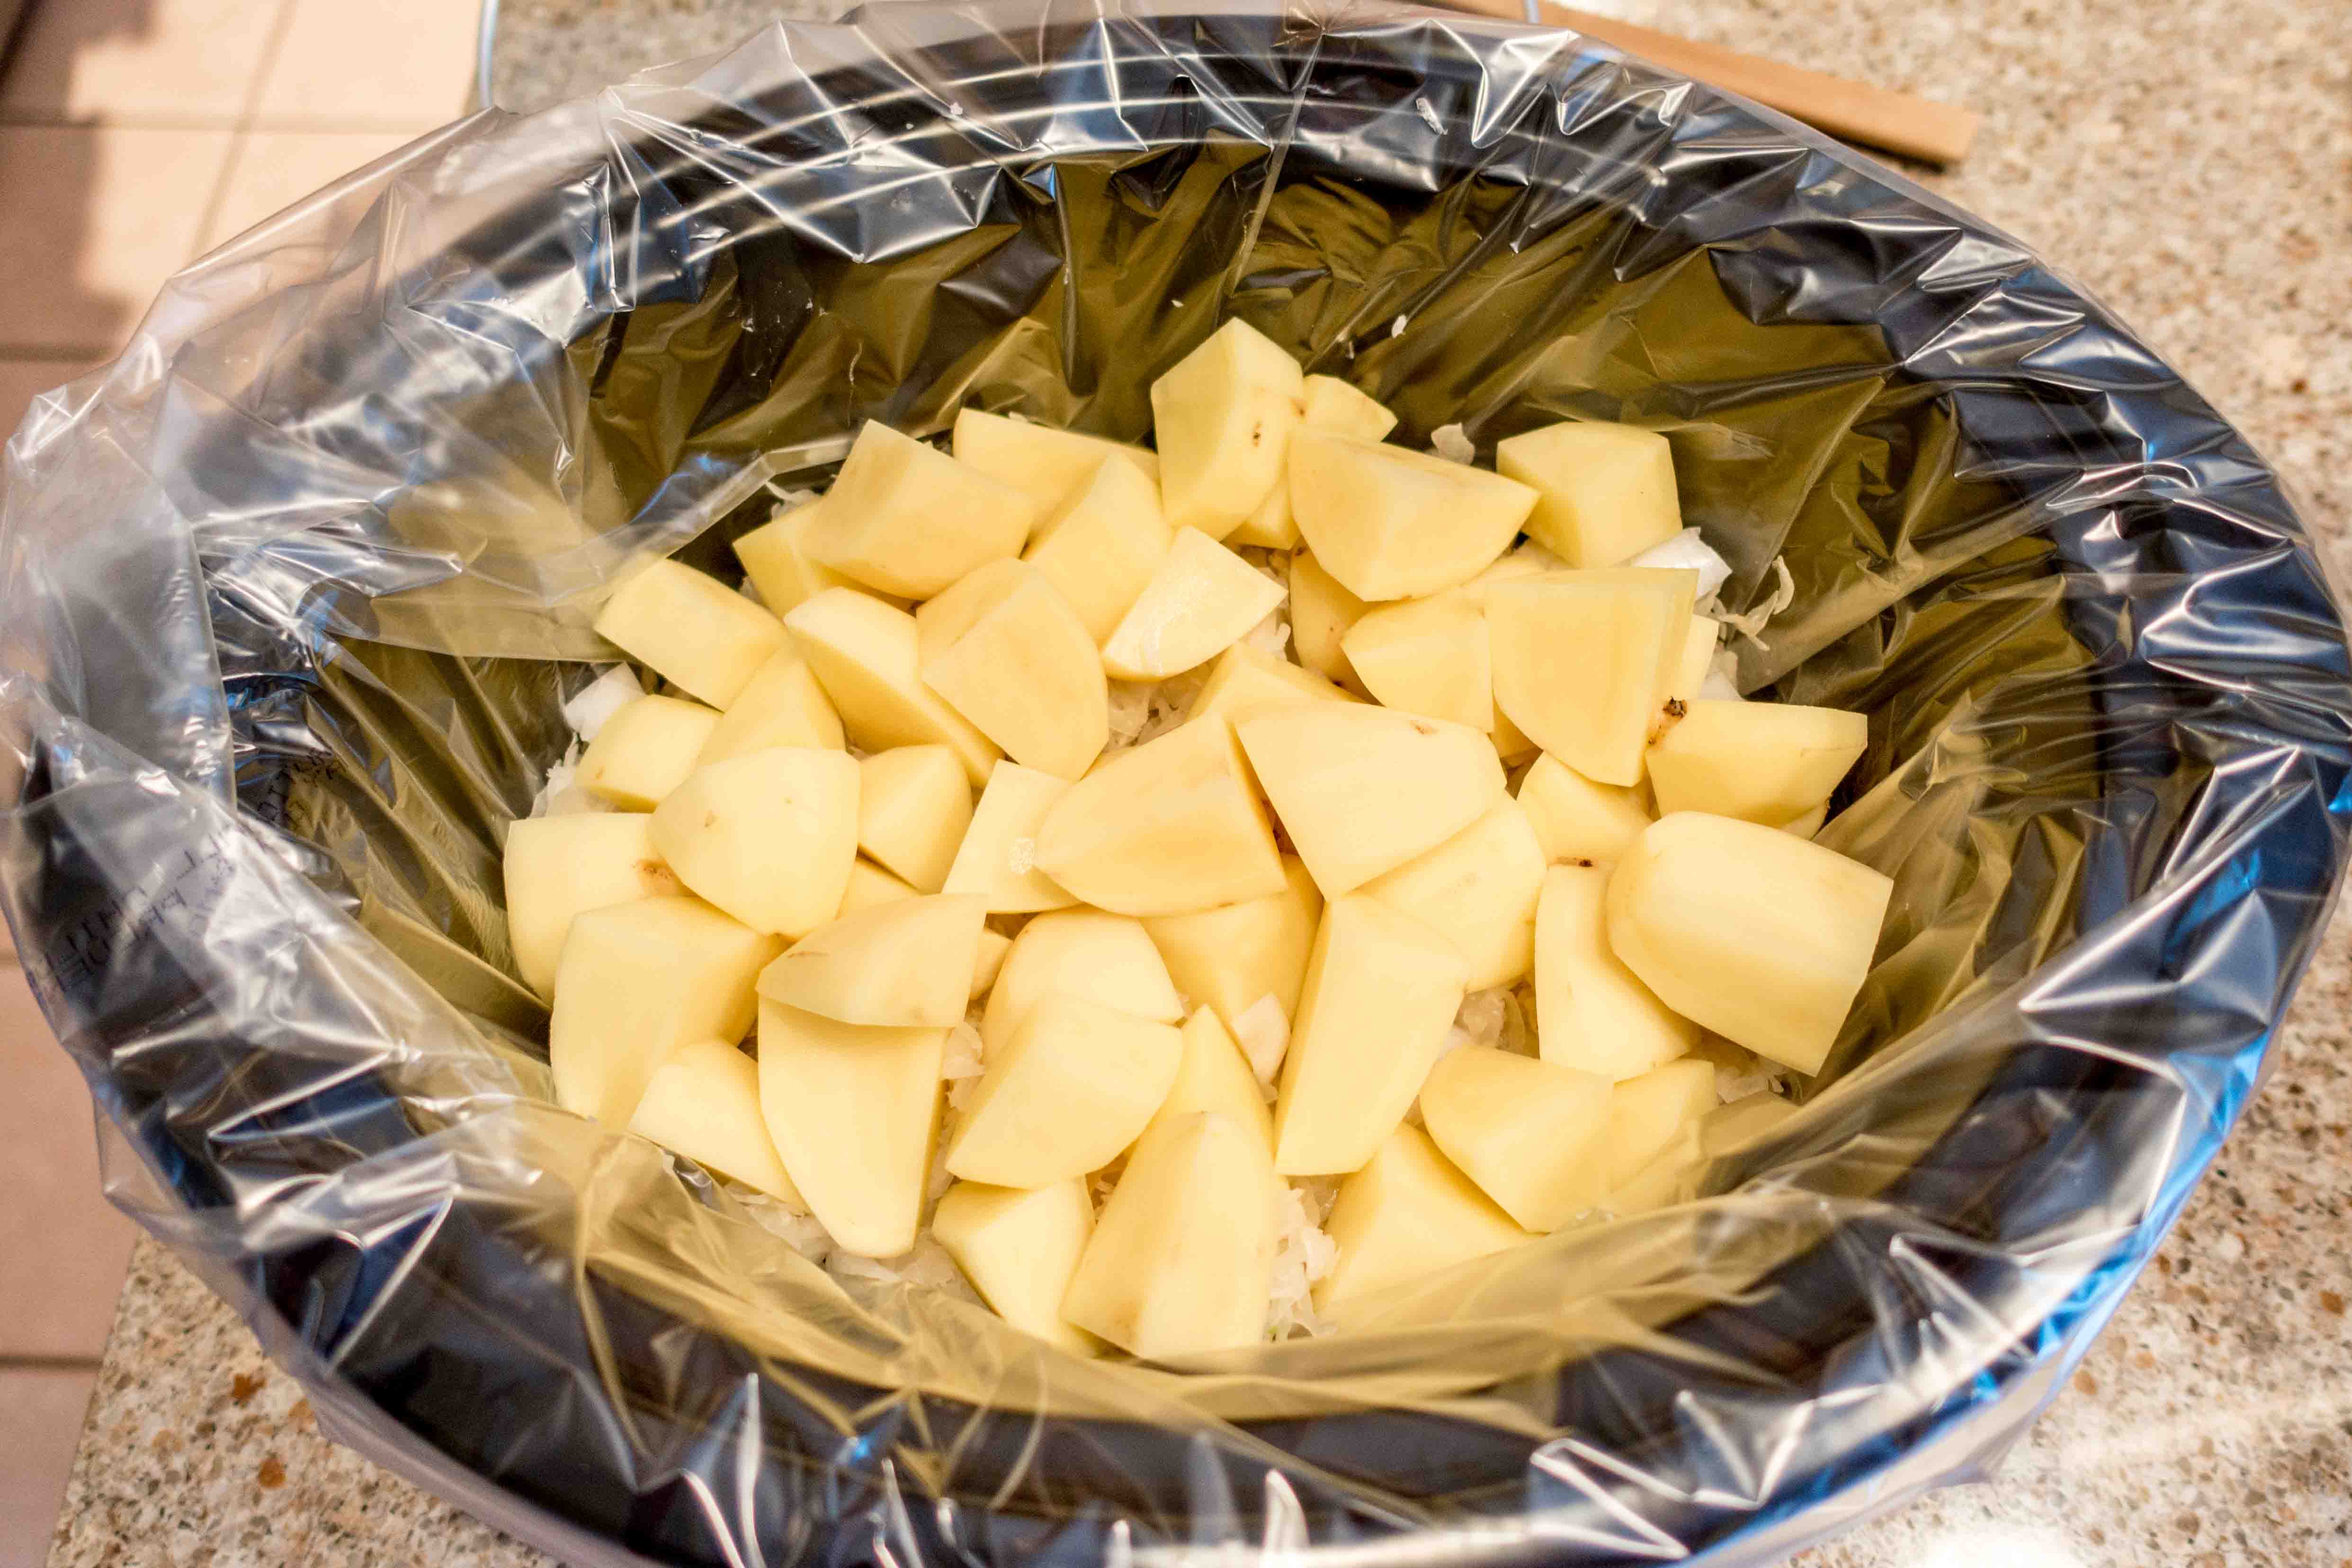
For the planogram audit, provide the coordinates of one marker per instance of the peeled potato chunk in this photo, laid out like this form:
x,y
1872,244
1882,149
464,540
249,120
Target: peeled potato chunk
x,y
780,567
867,656
1382,990
1394,524
1591,1012
913,808
1041,462
853,1111
989,961
905,965
869,885
1009,654
703,1101
691,628
1750,1116
1808,826
1651,1114
1169,827
1235,954
1761,762
1019,1249
905,518
767,837
1100,546
1072,1086
645,751
1426,656
1608,490
1213,1075
998,857
1330,405
1182,1260
1530,1133
1582,660
558,866
1223,419
781,705
1321,611
1106,959
1697,657
1479,889
636,979
1757,934
1578,819
1199,603
1362,790
1407,1214
1248,679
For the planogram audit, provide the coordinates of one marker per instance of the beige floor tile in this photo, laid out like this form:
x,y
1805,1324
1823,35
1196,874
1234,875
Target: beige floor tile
x,y
62,1247
95,220
272,170
394,64
140,61
40,1422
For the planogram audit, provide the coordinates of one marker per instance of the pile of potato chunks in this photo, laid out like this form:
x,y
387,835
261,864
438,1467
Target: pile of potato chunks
x,y
1319,862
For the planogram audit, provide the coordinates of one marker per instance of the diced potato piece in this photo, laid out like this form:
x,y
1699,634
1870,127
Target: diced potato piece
x,y
998,857
1072,1086
1513,745
636,979
913,807
905,518
769,837
558,866
1761,762
1530,1133
866,656
1479,889
1407,1214
1577,819
1650,1114
1426,656
1330,405
1181,1259
1166,827
1044,463
1362,790
1231,957
1101,545
1757,934
645,751
1019,1249
1321,611
1248,679
1106,959
905,965
1382,990
1592,1013
1808,826
853,1110
703,1101
1199,603
870,886
989,961
1396,525
1743,1120
1697,657
780,567
1213,1075
781,705
1582,660
1008,652
1222,417
1607,490
692,629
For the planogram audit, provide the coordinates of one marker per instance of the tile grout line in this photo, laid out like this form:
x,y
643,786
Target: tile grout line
x,y
241,132
9,1364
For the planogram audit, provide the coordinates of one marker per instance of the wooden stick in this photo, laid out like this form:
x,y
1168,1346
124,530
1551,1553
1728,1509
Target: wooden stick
x,y
1857,112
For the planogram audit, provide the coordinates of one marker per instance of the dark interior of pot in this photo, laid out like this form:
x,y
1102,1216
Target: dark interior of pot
x,y
2107,682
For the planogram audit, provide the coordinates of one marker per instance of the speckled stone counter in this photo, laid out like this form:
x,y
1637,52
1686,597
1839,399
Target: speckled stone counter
x,y
2190,162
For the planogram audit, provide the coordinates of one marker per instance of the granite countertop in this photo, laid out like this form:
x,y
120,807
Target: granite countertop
x,y
2188,162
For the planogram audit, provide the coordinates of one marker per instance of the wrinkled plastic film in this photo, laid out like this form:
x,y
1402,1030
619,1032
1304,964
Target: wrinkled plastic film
x,y
287,597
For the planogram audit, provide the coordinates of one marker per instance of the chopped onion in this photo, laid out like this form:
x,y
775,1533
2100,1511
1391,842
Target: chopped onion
x,y
1452,443
587,708
1263,1032
1687,549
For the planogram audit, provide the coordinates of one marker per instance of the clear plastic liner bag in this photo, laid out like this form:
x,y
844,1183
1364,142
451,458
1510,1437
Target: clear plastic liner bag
x,y
291,597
